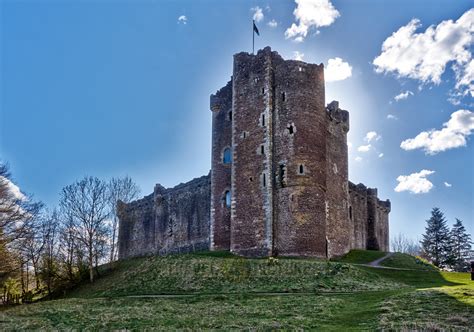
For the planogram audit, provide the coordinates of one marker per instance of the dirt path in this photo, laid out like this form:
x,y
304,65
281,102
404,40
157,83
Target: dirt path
x,y
377,262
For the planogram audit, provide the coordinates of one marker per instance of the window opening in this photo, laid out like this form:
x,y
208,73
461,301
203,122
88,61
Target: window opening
x,y
301,169
227,198
282,175
227,159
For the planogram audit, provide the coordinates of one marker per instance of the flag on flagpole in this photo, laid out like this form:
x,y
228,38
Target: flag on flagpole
x,y
255,29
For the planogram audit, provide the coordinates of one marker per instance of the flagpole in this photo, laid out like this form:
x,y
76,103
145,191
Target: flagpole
x,y
253,37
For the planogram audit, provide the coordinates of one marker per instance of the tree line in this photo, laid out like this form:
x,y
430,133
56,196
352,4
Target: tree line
x,y
443,247
47,250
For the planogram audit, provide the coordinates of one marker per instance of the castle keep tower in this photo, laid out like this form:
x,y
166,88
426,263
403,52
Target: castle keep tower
x,y
284,188
279,179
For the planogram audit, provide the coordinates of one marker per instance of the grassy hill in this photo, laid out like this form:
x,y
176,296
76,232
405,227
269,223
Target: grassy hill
x,y
219,291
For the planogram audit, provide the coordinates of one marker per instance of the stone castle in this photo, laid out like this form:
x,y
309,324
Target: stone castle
x,y
279,178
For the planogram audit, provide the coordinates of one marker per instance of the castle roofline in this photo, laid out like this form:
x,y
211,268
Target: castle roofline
x,y
268,51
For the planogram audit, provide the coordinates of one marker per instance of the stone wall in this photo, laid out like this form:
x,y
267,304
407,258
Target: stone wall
x,y
299,158
338,224
251,181
222,116
168,221
369,217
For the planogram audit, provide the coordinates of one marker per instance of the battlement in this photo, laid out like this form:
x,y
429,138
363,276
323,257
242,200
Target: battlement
x,y
337,115
221,96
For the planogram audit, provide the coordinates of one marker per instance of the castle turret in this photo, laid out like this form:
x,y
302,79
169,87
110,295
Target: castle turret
x,y
221,188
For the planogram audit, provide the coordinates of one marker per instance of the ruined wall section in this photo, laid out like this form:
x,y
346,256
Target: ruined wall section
x,y
221,107
299,157
168,221
136,228
251,181
358,215
369,218
382,226
339,227
182,217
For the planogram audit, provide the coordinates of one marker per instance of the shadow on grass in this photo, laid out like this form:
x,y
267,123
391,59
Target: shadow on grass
x,y
414,278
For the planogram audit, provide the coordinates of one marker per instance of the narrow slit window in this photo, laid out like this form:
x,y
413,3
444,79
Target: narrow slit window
x,y
263,120
283,96
263,91
264,180
301,169
262,149
350,212
230,116
227,158
227,198
282,175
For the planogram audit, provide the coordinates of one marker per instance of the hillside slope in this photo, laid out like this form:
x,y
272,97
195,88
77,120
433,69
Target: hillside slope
x,y
207,274
228,293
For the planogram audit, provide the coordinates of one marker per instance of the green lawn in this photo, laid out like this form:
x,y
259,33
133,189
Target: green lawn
x,y
361,256
302,294
408,262
208,274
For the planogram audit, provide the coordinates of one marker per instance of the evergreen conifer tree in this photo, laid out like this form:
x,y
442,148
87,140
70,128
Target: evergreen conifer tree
x,y
436,242
460,247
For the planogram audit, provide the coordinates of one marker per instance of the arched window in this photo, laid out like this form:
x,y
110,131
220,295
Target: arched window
x,y
227,198
227,158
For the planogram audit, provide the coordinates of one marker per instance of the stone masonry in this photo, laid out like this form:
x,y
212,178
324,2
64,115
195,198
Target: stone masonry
x,y
279,178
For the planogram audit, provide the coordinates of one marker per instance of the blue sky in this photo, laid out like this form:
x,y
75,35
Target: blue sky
x,y
109,88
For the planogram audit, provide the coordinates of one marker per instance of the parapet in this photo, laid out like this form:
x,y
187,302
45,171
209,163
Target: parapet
x,y
339,116
221,96
385,204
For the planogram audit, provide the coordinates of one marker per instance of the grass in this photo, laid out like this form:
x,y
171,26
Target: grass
x,y
405,261
204,274
361,256
223,292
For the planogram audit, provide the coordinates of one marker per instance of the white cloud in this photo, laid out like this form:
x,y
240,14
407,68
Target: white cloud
x,y
257,13
453,134
272,23
182,19
13,189
364,148
446,184
337,70
415,182
380,155
298,56
308,14
403,95
358,159
391,117
424,56
349,145
372,136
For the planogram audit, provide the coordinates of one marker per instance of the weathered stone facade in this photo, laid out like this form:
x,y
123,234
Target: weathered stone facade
x,y
167,221
279,179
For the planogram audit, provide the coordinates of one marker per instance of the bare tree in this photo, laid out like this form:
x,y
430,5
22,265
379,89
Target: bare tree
x,y
403,244
120,189
86,201
49,257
